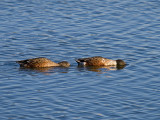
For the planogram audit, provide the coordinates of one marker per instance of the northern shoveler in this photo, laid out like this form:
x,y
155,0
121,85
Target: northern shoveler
x,y
99,61
41,62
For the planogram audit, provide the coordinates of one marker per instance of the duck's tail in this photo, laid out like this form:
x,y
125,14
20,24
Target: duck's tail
x,y
81,62
22,63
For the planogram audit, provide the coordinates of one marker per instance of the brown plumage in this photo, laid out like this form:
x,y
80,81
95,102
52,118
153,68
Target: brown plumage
x,y
99,61
41,62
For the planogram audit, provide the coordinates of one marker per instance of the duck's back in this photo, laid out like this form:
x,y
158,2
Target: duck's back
x,y
37,62
92,61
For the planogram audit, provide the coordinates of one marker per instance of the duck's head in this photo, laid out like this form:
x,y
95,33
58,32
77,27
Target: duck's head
x,y
120,62
64,64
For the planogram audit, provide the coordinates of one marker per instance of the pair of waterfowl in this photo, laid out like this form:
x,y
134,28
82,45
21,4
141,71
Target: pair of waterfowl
x,y
91,61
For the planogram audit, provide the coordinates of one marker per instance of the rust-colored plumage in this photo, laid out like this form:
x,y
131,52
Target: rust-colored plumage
x,y
41,62
99,61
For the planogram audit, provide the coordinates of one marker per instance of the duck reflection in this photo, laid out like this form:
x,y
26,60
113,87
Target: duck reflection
x,y
99,68
46,70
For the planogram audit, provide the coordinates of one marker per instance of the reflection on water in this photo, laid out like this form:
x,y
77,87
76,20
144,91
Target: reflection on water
x,y
50,70
46,70
100,68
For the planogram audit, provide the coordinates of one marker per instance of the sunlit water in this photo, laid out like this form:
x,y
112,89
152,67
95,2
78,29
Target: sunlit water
x,y
70,29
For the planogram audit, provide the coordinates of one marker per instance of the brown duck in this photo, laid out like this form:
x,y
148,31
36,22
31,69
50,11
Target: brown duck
x,y
99,61
41,62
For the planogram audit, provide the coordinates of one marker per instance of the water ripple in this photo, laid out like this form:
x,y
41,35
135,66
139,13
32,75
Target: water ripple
x,y
66,30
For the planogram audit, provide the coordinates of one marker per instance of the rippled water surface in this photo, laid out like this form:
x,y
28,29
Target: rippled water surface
x,y
71,29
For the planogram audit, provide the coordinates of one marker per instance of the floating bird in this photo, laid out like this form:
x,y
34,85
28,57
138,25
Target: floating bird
x,y
41,62
99,61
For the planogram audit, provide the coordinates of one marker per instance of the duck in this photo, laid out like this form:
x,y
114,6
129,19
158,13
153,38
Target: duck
x,y
41,62
99,61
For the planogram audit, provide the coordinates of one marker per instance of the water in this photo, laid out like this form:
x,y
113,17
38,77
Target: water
x,y
70,29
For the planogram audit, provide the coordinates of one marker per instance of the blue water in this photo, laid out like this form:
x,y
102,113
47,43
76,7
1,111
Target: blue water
x,y
71,29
